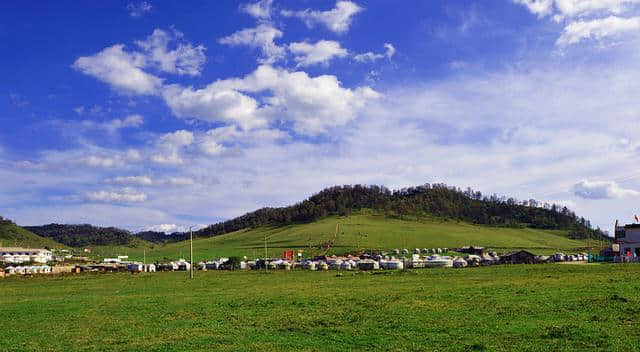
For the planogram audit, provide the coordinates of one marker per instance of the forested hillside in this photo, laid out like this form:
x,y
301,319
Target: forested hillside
x,y
83,235
12,235
437,200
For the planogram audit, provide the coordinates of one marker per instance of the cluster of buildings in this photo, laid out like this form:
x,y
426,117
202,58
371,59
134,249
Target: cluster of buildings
x,y
17,255
627,241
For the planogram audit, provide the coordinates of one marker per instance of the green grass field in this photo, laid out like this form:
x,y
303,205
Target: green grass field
x,y
549,307
360,231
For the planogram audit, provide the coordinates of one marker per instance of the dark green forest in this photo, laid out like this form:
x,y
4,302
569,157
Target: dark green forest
x,y
435,200
83,235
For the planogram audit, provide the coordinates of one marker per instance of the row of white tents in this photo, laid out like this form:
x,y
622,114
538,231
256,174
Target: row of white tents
x,y
27,270
22,258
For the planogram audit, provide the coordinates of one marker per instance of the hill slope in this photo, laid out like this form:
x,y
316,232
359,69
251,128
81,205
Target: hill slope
x,y
362,231
12,235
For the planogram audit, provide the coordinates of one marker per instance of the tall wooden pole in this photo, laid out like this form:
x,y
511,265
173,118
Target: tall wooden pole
x,y
265,252
191,251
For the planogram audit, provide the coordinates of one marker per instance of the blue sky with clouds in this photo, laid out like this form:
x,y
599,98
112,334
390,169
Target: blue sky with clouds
x,y
160,115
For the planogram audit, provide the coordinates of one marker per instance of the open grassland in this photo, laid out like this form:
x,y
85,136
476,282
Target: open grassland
x,y
502,308
358,232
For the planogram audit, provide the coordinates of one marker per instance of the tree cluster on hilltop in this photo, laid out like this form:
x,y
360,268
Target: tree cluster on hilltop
x,y
83,235
437,200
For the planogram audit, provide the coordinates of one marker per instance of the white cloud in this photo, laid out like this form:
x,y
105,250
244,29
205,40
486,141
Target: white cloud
x,y
112,126
261,37
313,104
215,102
103,162
337,19
139,9
166,228
602,190
119,69
170,145
126,195
588,19
180,181
183,59
133,155
390,50
575,8
131,180
307,54
124,71
538,7
260,9
597,29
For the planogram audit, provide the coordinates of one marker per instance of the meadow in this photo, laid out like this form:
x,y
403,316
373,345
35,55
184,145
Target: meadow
x,y
363,231
502,308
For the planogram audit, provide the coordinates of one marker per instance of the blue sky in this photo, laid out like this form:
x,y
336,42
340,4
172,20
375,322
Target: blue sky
x,y
160,115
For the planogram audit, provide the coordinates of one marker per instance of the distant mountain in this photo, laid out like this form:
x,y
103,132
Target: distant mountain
x,y
161,237
12,235
437,200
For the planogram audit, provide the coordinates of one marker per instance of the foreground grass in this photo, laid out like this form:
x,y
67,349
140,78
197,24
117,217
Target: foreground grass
x,y
502,308
357,232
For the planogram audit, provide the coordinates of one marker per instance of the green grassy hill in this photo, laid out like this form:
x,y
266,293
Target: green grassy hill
x,y
12,235
361,231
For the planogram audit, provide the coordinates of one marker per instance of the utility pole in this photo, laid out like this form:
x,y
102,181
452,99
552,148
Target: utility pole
x,y
191,251
144,259
265,252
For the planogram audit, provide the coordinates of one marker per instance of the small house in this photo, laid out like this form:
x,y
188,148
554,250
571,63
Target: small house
x,y
518,257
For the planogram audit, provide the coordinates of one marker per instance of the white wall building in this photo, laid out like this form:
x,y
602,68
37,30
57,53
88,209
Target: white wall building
x,y
21,255
628,237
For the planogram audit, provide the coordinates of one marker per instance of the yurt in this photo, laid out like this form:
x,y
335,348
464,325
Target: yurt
x,y
438,262
459,263
345,265
309,265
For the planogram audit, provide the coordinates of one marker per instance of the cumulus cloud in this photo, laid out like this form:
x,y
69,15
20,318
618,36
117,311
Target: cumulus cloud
x,y
313,104
125,71
260,9
138,9
321,52
261,37
126,195
216,102
601,190
588,19
166,228
337,19
184,58
122,70
597,29
390,50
